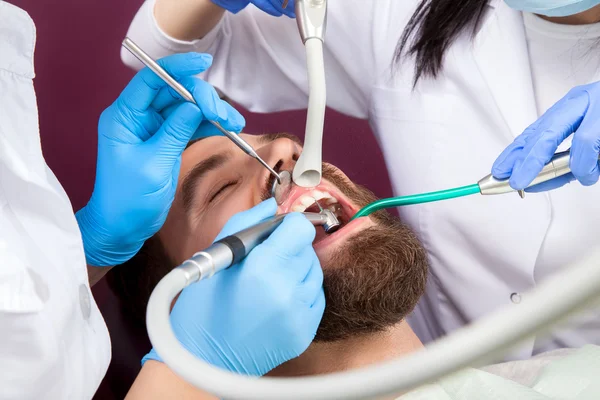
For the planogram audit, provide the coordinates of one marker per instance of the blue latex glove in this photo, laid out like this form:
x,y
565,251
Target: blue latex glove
x,y
272,7
577,113
139,155
261,312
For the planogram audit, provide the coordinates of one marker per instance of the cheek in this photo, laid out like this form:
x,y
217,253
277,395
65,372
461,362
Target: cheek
x,y
214,221
229,210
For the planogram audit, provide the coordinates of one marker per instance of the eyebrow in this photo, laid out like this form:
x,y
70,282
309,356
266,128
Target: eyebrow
x,y
271,137
193,178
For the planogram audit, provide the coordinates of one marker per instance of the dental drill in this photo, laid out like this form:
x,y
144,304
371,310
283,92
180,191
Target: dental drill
x,y
311,16
231,249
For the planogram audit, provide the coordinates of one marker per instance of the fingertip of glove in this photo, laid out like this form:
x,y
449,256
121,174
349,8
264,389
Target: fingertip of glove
x,y
269,205
500,173
589,179
302,225
238,121
204,58
152,356
517,182
184,64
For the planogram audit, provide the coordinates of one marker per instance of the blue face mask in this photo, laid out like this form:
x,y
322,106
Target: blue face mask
x,y
552,8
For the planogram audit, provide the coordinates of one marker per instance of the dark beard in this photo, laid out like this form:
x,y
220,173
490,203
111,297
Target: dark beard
x,y
376,278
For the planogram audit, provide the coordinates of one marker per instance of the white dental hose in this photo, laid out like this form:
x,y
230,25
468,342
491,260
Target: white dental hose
x,y
311,16
477,344
307,171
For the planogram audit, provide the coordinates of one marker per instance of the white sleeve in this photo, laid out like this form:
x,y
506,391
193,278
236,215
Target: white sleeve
x,y
262,75
27,359
260,61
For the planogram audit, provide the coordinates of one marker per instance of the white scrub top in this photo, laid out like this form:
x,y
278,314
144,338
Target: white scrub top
x,y
53,341
483,251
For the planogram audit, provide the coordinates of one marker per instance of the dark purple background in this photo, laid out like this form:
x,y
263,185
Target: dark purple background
x,y
79,73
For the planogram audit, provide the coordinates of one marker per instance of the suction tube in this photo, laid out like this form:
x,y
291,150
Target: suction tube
x,y
307,172
311,16
474,345
417,199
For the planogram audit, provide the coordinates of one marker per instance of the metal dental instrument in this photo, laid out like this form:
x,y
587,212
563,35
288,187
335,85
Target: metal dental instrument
x,y
281,188
558,166
332,224
311,16
186,95
231,249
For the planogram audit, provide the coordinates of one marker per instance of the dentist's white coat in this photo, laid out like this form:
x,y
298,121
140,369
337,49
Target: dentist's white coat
x,y
53,341
446,133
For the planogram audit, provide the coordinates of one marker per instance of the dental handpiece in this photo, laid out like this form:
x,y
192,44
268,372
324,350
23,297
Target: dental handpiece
x,y
231,249
557,166
186,95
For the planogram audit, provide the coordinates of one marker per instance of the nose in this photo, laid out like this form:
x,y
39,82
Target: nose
x,y
281,153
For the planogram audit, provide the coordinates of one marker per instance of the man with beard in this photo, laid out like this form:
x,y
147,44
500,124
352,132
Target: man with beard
x,y
374,267
374,272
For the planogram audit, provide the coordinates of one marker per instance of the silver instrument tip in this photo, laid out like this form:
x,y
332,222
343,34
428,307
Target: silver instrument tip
x,y
332,223
521,193
281,189
318,205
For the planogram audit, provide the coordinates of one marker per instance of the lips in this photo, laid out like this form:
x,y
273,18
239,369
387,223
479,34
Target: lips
x,y
327,195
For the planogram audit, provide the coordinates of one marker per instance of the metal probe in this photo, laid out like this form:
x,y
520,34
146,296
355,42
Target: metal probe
x,y
231,249
183,92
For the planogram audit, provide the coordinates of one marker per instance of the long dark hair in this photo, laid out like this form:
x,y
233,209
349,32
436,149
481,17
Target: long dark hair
x,y
433,28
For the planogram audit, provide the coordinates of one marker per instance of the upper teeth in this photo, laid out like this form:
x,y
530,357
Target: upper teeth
x,y
308,199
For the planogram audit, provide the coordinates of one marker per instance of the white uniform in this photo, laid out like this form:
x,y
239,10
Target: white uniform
x,y
485,252
53,341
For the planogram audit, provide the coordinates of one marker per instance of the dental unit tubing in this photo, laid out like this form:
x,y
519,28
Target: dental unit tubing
x,y
551,302
311,16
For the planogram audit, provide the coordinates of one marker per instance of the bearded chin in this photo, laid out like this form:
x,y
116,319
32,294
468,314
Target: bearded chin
x,y
373,281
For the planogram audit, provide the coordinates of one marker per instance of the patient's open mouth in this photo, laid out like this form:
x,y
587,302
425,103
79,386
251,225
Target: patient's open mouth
x,y
328,197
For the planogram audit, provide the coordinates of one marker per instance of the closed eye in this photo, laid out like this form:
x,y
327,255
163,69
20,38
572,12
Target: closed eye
x,y
222,190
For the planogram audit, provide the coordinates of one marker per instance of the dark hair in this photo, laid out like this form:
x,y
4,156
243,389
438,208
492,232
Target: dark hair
x,y
433,28
133,281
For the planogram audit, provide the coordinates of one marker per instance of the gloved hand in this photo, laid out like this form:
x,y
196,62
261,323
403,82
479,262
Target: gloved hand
x,y
261,312
273,7
577,113
140,140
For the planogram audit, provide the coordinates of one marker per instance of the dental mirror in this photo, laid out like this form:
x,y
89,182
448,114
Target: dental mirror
x,y
280,190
